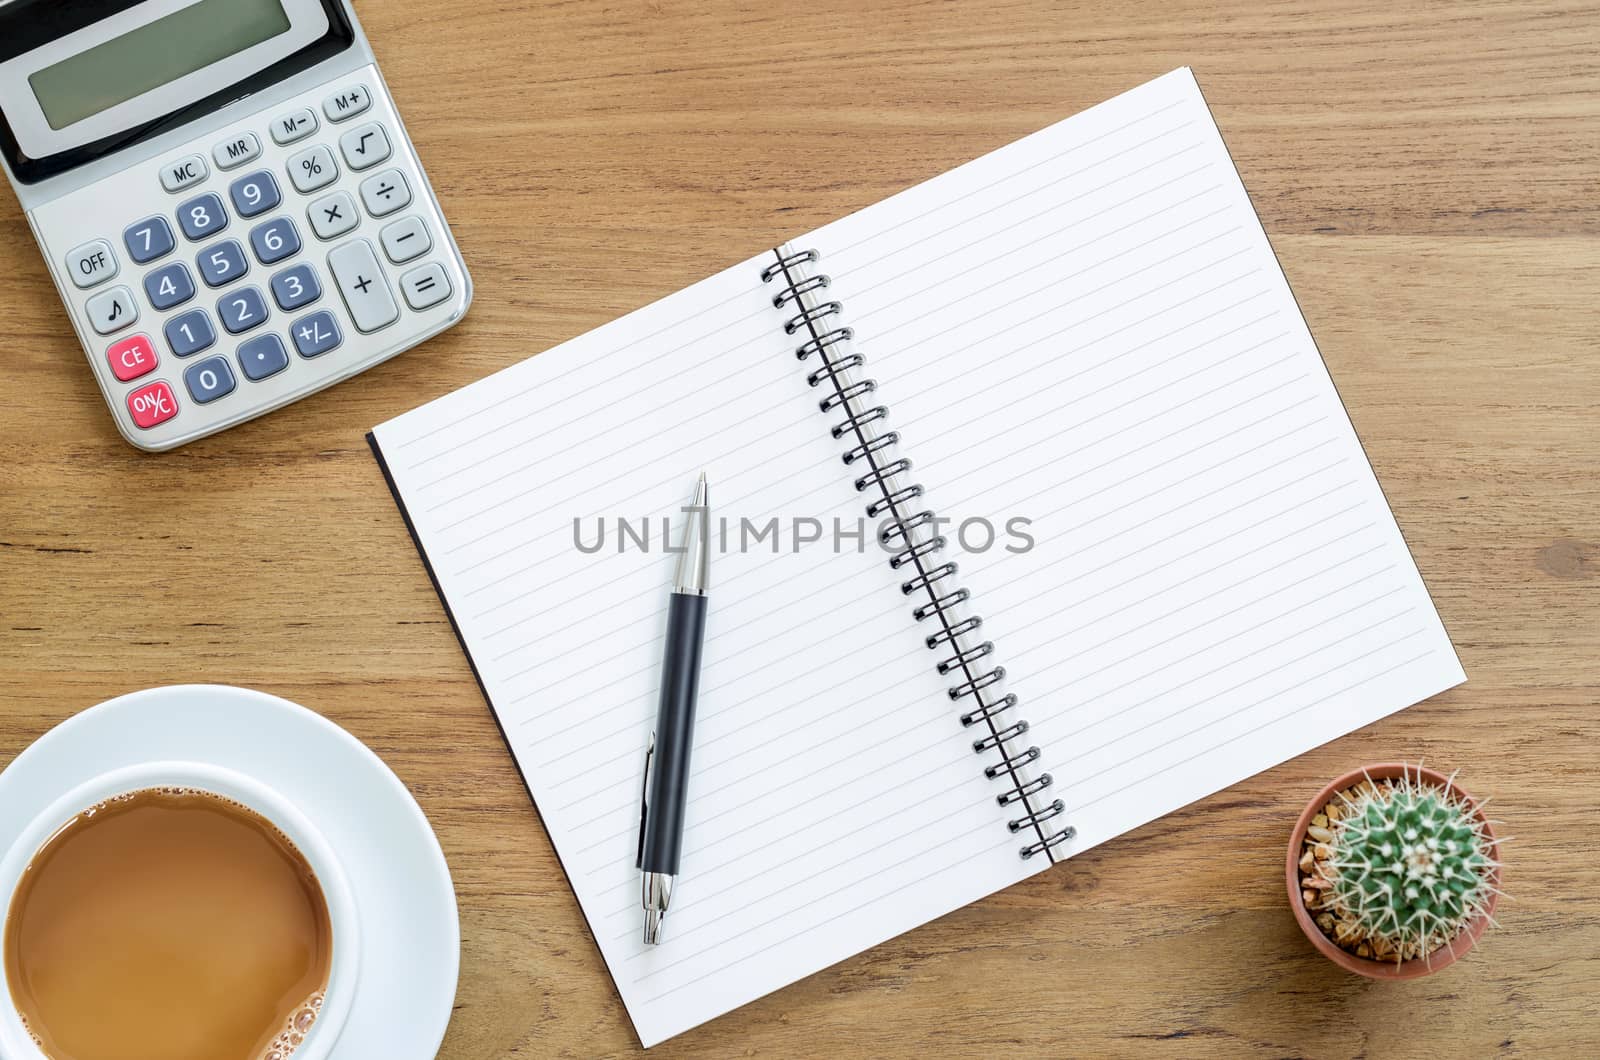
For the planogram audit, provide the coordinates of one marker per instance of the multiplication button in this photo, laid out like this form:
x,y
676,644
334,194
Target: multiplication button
x,y
333,215
360,281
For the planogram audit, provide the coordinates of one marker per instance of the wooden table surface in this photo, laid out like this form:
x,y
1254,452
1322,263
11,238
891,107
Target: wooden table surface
x,y
1430,176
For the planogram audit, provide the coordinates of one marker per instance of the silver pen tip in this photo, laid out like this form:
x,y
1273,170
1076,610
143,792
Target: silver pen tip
x,y
652,927
694,560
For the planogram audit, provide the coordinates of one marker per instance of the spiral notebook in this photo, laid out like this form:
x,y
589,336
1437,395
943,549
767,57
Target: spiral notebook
x,y
1091,357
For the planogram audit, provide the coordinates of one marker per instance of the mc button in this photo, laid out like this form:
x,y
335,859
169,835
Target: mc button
x,y
152,405
132,357
184,173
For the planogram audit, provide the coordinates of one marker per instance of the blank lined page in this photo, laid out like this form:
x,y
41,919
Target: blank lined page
x,y
835,800
1087,329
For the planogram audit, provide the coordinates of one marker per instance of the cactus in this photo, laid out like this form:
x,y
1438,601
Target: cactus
x,y
1411,865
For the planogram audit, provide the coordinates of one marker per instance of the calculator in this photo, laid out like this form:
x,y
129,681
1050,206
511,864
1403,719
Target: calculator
x,y
228,201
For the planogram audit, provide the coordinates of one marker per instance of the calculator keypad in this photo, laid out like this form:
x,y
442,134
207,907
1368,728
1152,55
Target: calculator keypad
x,y
322,201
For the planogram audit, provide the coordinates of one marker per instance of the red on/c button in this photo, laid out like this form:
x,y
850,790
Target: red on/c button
x,y
152,404
132,357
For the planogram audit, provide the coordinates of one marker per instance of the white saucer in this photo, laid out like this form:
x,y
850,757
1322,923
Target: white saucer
x,y
411,934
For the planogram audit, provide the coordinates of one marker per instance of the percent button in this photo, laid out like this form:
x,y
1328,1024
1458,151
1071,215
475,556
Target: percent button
x,y
313,168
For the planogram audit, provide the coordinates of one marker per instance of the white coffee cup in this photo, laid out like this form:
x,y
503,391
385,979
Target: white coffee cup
x,y
343,918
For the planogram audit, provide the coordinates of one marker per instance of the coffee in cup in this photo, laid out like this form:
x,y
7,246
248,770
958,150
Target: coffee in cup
x,y
168,923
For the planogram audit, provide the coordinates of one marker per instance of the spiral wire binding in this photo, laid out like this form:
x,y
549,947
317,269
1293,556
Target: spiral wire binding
x,y
914,545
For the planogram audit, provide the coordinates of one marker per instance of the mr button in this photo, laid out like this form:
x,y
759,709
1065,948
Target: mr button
x,y
91,264
152,405
132,357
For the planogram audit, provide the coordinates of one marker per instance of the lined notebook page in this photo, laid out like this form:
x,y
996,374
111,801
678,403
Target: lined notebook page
x,y
835,800
1088,329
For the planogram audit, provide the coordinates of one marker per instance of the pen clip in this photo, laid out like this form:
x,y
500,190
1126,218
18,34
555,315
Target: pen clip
x,y
644,797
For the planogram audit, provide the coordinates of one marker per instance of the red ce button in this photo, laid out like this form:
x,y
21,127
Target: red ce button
x,y
132,357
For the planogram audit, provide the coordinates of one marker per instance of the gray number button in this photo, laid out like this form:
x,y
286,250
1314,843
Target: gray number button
x,y
190,332
222,263
148,240
385,192
210,379
168,286
112,310
313,168
275,240
316,334
262,356
333,215
242,310
360,281
254,194
201,216
296,287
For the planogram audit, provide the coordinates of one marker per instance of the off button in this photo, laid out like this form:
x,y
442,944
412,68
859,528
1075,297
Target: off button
x,y
92,264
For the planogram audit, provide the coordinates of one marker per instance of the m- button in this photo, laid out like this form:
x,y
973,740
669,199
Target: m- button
x,y
91,264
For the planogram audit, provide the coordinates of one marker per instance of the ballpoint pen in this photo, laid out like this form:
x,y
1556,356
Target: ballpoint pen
x,y
666,760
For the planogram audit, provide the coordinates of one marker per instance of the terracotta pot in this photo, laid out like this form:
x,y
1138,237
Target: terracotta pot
x,y
1440,958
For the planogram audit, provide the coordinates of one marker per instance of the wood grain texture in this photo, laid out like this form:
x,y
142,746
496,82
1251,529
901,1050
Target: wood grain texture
x,y
1430,176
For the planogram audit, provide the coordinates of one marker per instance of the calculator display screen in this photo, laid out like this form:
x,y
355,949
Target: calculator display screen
x,y
152,55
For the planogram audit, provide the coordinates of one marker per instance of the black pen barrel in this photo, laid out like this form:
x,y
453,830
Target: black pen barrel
x,y
667,793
